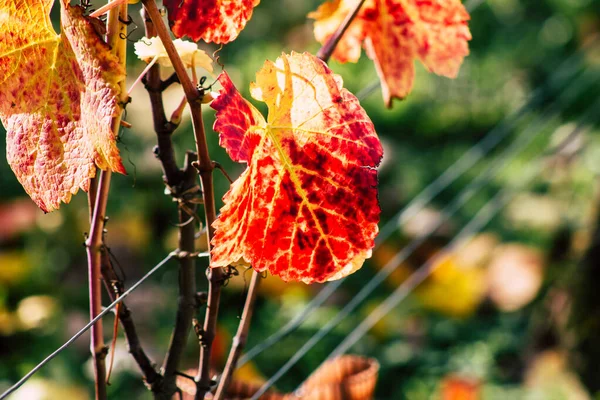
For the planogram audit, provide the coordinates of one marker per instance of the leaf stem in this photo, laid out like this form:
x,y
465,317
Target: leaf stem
x,y
328,48
239,341
205,168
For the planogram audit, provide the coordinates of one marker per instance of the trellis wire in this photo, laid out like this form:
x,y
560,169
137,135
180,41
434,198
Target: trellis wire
x,y
391,265
471,5
416,277
566,69
108,309
477,223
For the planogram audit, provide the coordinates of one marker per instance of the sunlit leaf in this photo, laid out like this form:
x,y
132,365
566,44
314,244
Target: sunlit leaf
x,y
58,95
218,21
394,33
306,206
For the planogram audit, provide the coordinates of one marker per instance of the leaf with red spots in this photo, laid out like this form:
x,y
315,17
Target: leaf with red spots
x,y
218,21
58,95
306,206
394,33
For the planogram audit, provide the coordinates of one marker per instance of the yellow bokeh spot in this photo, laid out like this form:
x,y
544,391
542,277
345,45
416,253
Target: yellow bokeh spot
x,y
14,267
452,289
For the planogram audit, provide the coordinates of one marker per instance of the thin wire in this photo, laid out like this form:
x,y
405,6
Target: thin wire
x,y
564,72
523,141
481,219
475,153
368,90
108,309
471,5
419,276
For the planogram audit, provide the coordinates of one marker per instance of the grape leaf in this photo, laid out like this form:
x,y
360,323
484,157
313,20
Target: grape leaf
x,y
218,21
58,95
306,206
394,33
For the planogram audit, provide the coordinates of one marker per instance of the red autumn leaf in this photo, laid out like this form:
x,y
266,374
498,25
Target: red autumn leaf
x,y
58,95
394,33
306,206
218,21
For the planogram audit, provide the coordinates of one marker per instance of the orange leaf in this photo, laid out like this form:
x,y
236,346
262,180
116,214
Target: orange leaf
x,y
58,95
218,21
460,388
306,207
394,33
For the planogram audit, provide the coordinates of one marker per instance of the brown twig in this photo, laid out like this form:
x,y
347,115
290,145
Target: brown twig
x,y
239,341
98,205
328,48
205,168
94,254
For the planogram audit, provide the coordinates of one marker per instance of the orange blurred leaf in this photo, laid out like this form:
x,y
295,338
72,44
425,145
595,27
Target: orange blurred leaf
x,y
58,95
218,21
459,388
394,33
346,377
306,207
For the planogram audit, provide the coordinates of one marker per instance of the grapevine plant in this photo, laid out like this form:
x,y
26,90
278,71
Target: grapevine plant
x,y
304,209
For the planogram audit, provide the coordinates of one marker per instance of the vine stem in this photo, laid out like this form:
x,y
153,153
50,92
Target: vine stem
x,y
94,242
241,336
205,167
94,256
328,48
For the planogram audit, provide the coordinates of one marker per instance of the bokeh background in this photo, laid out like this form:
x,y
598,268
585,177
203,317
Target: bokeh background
x,y
510,313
